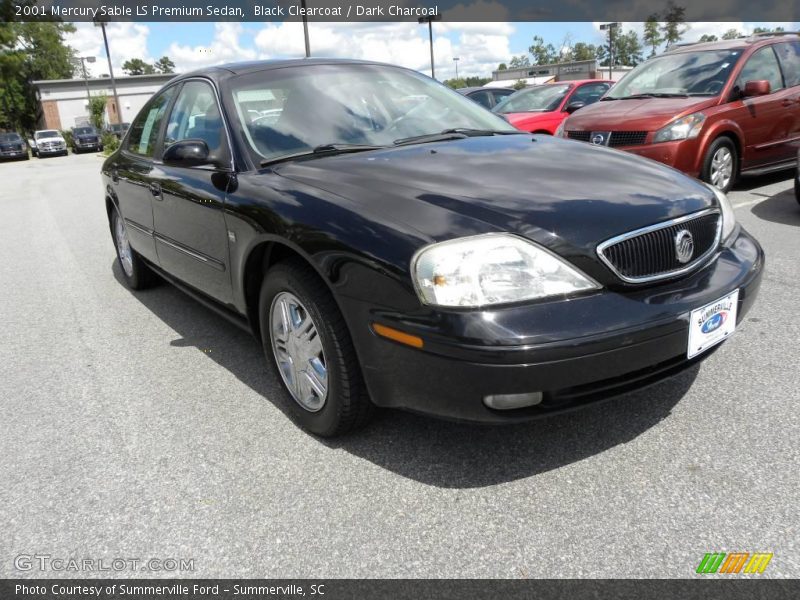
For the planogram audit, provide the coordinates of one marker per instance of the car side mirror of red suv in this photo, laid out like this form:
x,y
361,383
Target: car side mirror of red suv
x,y
759,87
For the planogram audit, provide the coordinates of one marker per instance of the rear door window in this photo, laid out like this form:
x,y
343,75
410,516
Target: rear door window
x,y
789,57
144,131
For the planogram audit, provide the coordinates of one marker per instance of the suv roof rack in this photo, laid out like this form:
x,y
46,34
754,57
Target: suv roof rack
x,y
774,34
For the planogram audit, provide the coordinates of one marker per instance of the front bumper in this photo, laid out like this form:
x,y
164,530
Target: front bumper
x,y
79,145
52,150
13,153
574,351
682,154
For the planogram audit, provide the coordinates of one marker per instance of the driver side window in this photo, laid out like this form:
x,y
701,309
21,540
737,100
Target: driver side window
x,y
762,65
196,116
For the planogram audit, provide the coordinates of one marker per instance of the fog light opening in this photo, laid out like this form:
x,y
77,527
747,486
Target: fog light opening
x,y
511,401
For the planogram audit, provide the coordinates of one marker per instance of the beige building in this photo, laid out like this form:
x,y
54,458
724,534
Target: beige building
x,y
568,71
63,103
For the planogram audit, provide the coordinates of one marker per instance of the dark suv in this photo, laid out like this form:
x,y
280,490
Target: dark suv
x,y
713,110
86,138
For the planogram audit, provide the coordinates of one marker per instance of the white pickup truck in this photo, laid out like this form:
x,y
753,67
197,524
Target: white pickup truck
x,y
48,142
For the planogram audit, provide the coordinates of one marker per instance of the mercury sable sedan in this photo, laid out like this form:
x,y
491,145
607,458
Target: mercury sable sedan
x,y
392,243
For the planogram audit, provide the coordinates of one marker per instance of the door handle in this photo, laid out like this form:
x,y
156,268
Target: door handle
x,y
155,189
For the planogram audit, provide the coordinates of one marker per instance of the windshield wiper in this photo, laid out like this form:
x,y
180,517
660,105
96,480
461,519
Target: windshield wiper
x,y
321,150
455,133
651,95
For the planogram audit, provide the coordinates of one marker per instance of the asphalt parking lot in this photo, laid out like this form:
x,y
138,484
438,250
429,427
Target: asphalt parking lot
x,y
143,425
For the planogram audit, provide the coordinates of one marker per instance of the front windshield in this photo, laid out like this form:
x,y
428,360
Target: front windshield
x,y
84,130
702,73
542,98
47,134
10,137
294,110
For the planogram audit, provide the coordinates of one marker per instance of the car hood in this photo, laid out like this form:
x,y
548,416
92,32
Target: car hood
x,y
644,114
83,136
568,196
49,139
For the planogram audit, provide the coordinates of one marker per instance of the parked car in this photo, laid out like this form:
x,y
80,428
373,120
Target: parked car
x,y
434,259
486,97
49,142
797,179
712,110
542,108
13,146
118,129
86,138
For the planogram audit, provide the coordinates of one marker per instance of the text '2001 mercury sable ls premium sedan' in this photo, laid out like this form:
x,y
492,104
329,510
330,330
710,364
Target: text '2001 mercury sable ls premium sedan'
x,y
392,243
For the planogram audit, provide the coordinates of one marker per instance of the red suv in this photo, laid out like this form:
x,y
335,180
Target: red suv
x,y
713,110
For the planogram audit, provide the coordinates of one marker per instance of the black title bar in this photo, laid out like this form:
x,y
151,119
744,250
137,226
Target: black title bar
x,y
399,10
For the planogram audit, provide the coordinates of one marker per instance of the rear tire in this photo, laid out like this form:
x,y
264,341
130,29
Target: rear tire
x,y
721,164
307,342
135,272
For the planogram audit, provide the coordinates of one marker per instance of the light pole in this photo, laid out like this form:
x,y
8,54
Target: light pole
x,y
455,60
610,27
102,24
305,29
84,60
429,20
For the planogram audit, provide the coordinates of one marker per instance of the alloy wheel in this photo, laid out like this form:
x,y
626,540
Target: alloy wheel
x,y
721,168
123,246
298,351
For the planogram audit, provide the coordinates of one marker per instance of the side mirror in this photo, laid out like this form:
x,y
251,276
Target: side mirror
x,y
759,87
573,106
187,153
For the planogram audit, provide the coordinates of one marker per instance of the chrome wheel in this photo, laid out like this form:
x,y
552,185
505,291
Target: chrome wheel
x,y
298,351
123,246
721,168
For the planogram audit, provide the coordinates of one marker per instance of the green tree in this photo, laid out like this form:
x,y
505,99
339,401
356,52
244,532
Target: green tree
x,y
732,34
652,34
502,67
519,61
584,51
29,52
520,84
707,38
136,66
768,30
674,26
164,65
97,110
543,54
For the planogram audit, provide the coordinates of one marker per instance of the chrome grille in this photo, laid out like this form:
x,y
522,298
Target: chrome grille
x,y
649,254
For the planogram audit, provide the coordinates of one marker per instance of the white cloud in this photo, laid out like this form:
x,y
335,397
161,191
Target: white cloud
x,y
225,47
480,47
125,40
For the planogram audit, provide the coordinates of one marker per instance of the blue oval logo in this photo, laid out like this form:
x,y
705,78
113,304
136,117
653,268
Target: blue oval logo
x,y
714,322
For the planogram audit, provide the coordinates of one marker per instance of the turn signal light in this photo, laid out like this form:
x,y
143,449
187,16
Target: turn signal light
x,y
510,401
397,336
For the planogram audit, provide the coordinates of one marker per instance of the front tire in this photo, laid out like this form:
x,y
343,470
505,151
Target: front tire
x,y
307,342
135,272
721,164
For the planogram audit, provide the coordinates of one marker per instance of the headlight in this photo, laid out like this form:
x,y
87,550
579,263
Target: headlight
x,y
494,268
728,216
560,130
685,128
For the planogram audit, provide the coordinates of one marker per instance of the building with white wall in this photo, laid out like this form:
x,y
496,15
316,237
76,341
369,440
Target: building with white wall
x,y
63,103
567,71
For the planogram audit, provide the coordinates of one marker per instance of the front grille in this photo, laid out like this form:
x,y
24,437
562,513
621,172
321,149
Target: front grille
x,y
617,138
649,254
581,136
627,138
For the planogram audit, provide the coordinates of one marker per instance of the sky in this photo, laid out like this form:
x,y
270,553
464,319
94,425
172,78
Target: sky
x,y
480,47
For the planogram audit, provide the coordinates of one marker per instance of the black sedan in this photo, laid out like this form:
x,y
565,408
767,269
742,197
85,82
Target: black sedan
x,y
393,244
13,146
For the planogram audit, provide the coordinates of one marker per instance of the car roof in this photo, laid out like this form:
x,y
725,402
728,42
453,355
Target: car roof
x,y
475,88
240,68
737,44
